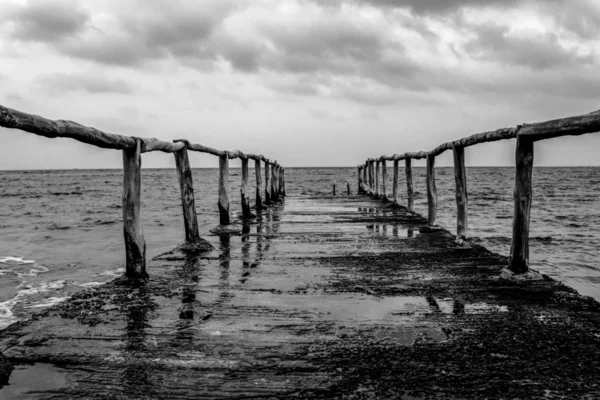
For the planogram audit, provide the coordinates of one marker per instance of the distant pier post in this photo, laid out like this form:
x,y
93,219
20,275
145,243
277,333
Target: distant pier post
x,y
377,167
280,182
348,188
366,182
462,202
259,185
244,190
359,180
395,183
274,194
186,187
519,252
384,179
135,245
283,182
369,179
372,172
334,188
224,217
267,182
431,191
372,177
410,196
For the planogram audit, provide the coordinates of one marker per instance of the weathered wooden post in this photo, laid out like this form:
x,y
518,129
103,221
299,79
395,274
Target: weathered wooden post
x,y
186,186
267,182
274,193
259,185
224,189
384,179
371,177
519,252
366,181
431,191
135,245
462,201
279,182
410,196
377,167
274,179
348,187
360,188
395,183
367,175
334,188
283,182
244,190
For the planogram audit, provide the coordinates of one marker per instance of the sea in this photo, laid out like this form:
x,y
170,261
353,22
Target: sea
x,y
61,230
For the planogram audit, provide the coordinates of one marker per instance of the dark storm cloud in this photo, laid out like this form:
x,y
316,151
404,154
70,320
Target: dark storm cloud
x,y
90,83
45,21
336,47
494,43
435,7
160,30
322,51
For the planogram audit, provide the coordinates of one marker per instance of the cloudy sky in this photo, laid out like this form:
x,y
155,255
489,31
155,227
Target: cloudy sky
x,y
306,82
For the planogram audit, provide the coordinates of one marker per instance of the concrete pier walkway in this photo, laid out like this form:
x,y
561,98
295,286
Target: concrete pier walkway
x,y
338,297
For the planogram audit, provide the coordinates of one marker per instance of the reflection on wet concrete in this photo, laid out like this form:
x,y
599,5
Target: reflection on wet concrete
x,y
136,376
245,252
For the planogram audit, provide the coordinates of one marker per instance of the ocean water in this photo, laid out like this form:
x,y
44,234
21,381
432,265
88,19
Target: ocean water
x,y
61,231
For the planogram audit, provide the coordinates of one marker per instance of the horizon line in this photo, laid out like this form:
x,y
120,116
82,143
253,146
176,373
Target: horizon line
x,y
303,167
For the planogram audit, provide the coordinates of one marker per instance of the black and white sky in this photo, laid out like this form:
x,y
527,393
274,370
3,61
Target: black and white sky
x,y
305,82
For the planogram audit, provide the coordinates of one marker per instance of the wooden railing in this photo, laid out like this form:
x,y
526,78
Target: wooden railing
x,y
133,147
526,135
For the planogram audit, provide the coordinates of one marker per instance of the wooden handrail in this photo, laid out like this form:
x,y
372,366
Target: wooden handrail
x,y
133,147
14,119
526,135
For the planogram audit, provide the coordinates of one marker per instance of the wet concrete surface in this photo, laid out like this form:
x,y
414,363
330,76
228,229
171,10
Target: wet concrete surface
x,y
339,297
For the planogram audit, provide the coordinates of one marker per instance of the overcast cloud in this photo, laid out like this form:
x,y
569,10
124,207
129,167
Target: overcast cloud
x,y
298,79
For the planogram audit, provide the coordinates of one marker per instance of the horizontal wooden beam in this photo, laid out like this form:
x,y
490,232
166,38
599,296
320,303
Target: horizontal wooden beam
x,y
153,144
201,148
571,126
14,119
41,126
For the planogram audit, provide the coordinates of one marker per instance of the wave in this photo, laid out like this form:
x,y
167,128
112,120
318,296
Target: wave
x,y
100,222
65,193
26,299
55,227
508,239
19,260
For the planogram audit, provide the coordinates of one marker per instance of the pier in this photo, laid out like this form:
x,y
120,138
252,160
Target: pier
x,y
331,297
343,296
